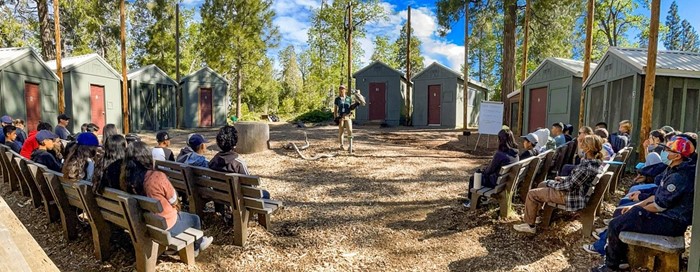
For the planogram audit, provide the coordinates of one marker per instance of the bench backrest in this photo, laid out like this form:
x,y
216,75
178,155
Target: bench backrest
x,y
226,188
177,173
518,173
601,183
547,157
570,152
559,158
63,192
3,171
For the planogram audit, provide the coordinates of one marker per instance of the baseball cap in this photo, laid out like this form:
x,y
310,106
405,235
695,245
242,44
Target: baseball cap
x,y
680,145
196,140
6,119
92,127
560,124
531,137
63,117
162,136
668,129
45,135
87,139
342,87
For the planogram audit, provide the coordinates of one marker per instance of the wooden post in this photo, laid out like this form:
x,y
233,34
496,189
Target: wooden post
x,y
125,90
59,69
586,58
465,122
350,28
177,42
409,89
650,77
523,72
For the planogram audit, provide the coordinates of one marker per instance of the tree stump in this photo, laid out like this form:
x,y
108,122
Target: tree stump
x,y
253,137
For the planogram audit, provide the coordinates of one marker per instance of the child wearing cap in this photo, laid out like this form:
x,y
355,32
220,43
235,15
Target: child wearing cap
x,y
41,155
668,212
4,121
80,161
529,142
195,158
10,133
161,151
61,128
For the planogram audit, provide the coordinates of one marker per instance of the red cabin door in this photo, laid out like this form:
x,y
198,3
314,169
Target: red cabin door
x,y
97,106
377,101
538,109
434,105
205,108
32,100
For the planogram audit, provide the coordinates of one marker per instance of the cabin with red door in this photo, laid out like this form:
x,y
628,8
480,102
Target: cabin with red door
x,y
204,99
27,87
552,93
92,91
385,90
438,98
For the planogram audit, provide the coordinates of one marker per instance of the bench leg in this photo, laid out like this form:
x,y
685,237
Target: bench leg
x,y
505,203
100,239
668,262
146,256
587,220
187,254
475,201
639,257
264,220
547,216
240,228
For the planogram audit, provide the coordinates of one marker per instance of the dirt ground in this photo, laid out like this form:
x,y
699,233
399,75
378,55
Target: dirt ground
x,y
393,206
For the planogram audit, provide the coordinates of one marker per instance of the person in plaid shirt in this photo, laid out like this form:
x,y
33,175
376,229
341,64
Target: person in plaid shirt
x,y
570,191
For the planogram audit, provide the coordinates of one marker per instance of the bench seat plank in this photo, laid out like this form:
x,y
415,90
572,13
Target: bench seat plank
x,y
666,244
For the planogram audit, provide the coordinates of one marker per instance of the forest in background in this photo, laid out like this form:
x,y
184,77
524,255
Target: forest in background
x,y
236,38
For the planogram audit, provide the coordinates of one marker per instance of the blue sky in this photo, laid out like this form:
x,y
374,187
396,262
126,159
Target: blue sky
x,y
292,18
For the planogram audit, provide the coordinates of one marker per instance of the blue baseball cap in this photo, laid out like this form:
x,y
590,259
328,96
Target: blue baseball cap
x,y
88,139
196,140
6,119
45,135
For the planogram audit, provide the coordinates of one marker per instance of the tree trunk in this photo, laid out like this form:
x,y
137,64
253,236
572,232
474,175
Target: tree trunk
x,y
48,51
239,90
508,62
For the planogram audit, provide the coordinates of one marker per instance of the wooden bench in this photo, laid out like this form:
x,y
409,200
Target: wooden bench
x,y
589,212
559,159
138,216
623,156
37,174
653,252
26,180
67,199
5,171
178,174
238,191
13,176
509,177
536,173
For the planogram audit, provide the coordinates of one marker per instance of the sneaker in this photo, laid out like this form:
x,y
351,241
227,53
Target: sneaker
x,y
467,204
590,249
525,227
603,268
206,242
595,235
624,266
600,230
538,220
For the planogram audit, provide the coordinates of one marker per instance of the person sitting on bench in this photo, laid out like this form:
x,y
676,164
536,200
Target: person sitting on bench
x,y
109,166
607,148
41,155
161,151
80,162
571,191
31,143
195,158
621,138
507,153
529,142
144,179
10,133
568,166
668,212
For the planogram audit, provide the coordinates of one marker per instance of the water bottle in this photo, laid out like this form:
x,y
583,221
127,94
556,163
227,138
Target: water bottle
x,y
477,179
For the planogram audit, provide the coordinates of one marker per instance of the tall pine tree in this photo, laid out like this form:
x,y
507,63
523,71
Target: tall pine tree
x,y
400,46
384,51
673,25
689,38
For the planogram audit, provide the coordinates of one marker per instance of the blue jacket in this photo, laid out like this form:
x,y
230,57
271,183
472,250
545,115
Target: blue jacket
x,y
675,193
194,159
500,159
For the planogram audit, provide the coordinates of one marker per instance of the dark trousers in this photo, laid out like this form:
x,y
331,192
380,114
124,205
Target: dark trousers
x,y
486,181
566,170
639,220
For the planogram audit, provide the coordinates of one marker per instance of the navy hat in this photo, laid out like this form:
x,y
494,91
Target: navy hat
x,y
196,140
92,127
162,136
87,139
45,135
6,119
63,117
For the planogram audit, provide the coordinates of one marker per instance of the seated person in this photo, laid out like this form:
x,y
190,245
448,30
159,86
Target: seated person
x,y
568,131
4,121
571,191
145,180
507,153
529,142
227,160
545,142
607,148
185,150
601,125
47,141
558,134
668,212
654,144
162,152
621,139
21,134
80,161
569,165
108,167
31,144
10,133
196,143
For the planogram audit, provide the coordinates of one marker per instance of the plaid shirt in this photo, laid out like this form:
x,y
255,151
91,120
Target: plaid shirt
x,y
578,184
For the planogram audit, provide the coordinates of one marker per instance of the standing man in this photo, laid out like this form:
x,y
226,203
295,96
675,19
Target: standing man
x,y
341,113
61,129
